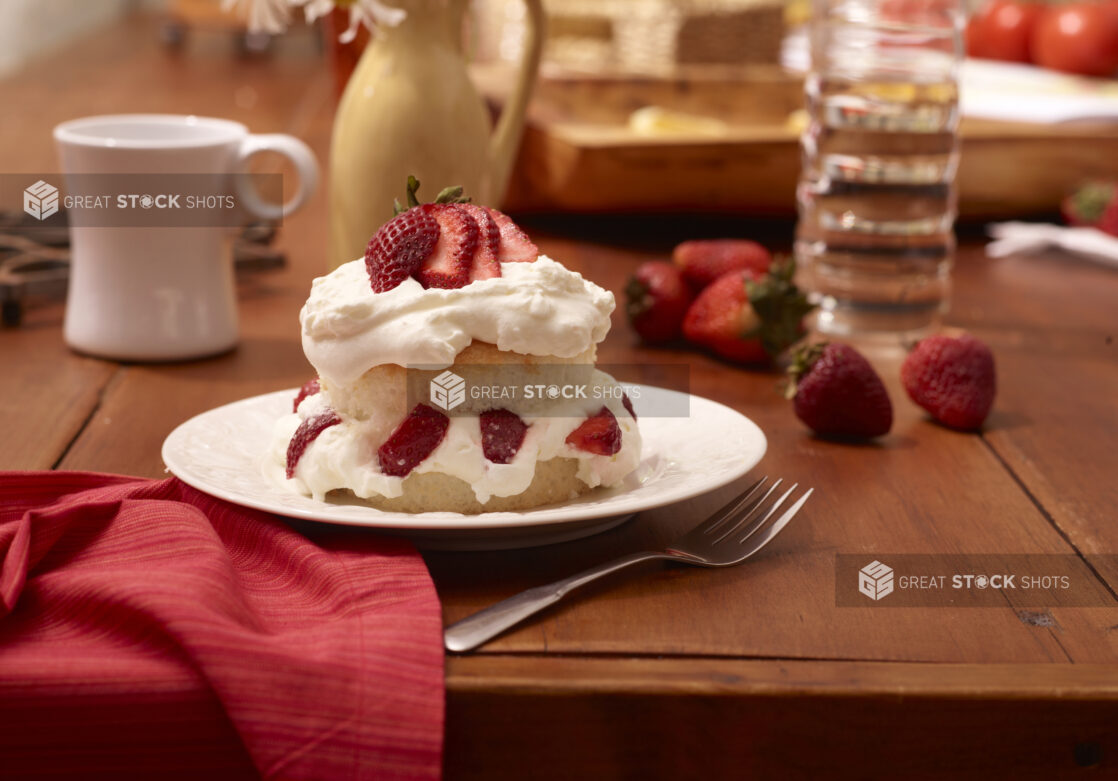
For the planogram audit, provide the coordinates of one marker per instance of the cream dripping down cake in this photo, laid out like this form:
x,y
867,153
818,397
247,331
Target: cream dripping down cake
x,y
452,285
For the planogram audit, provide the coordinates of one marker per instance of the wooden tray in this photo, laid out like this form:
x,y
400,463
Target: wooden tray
x,y
578,153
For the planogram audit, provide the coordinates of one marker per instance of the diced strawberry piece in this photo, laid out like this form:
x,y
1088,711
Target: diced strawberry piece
x,y
399,248
310,387
412,441
628,404
516,247
448,265
598,434
308,432
502,434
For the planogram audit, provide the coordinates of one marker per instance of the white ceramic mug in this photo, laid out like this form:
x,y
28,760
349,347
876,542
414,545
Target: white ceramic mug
x,y
162,293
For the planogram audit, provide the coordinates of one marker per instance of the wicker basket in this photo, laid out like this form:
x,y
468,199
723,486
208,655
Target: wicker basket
x,y
653,36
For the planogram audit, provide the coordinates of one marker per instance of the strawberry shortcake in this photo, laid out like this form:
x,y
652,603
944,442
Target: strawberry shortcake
x,y
452,290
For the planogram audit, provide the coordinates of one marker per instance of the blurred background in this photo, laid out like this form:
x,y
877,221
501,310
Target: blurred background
x,y
641,105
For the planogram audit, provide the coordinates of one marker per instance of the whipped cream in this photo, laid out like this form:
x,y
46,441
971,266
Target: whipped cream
x,y
539,308
344,455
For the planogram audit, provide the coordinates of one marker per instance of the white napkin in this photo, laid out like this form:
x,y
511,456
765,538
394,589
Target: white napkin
x,y
1090,243
1007,91
1026,93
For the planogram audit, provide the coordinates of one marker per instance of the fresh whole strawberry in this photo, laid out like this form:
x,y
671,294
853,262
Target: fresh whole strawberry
x,y
502,434
953,378
1095,205
308,432
598,434
705,260
836,392
657,299
748,316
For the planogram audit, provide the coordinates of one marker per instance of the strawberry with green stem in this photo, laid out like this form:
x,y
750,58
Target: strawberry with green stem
x,y
1095,205
448,243
837,393
749,316
656,301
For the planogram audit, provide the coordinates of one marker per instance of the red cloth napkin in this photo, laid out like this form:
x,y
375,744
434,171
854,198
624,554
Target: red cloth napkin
x,y
149,630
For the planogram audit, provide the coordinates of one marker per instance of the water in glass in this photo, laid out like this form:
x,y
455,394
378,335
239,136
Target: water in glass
x,y
877,202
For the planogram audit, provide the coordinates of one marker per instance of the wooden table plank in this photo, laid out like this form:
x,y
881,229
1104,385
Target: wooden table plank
x,y
922,489
904,492
1053,323
125,69
697,719
46,392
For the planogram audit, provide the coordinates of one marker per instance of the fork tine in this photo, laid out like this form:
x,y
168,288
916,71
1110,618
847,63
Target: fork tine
x,y
777,527
772,511
732,507
748,512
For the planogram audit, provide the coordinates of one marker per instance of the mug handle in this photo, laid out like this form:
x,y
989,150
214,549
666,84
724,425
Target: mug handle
x,y
294,150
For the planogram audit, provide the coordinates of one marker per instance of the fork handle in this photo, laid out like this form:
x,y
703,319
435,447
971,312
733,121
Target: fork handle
x,y
486,624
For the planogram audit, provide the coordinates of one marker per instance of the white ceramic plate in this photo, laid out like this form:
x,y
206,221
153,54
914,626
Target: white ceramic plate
x,y
220,452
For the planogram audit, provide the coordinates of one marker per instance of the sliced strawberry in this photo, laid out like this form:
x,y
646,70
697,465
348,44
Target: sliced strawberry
x,y
412,441
598,434
502,434
448,264
628,404
486,264
516,247
308,432
399,248
310,387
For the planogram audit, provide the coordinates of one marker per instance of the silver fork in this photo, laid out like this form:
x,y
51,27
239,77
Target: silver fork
x,y
728,537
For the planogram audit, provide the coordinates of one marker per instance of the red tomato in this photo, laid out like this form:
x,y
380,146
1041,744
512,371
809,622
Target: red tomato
x,y
1001,30
1077,38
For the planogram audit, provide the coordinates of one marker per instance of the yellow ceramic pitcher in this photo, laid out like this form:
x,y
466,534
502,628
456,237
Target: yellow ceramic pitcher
x,y
409,108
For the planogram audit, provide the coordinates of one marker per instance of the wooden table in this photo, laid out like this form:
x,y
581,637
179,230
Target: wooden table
x,y
677,672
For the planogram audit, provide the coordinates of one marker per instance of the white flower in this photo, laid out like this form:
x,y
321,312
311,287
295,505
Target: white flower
x,y
313,9
272,16
370,13
263,16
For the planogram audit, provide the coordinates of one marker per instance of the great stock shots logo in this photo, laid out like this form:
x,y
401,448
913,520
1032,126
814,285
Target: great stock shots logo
x,y
40,200
875,580
448,390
